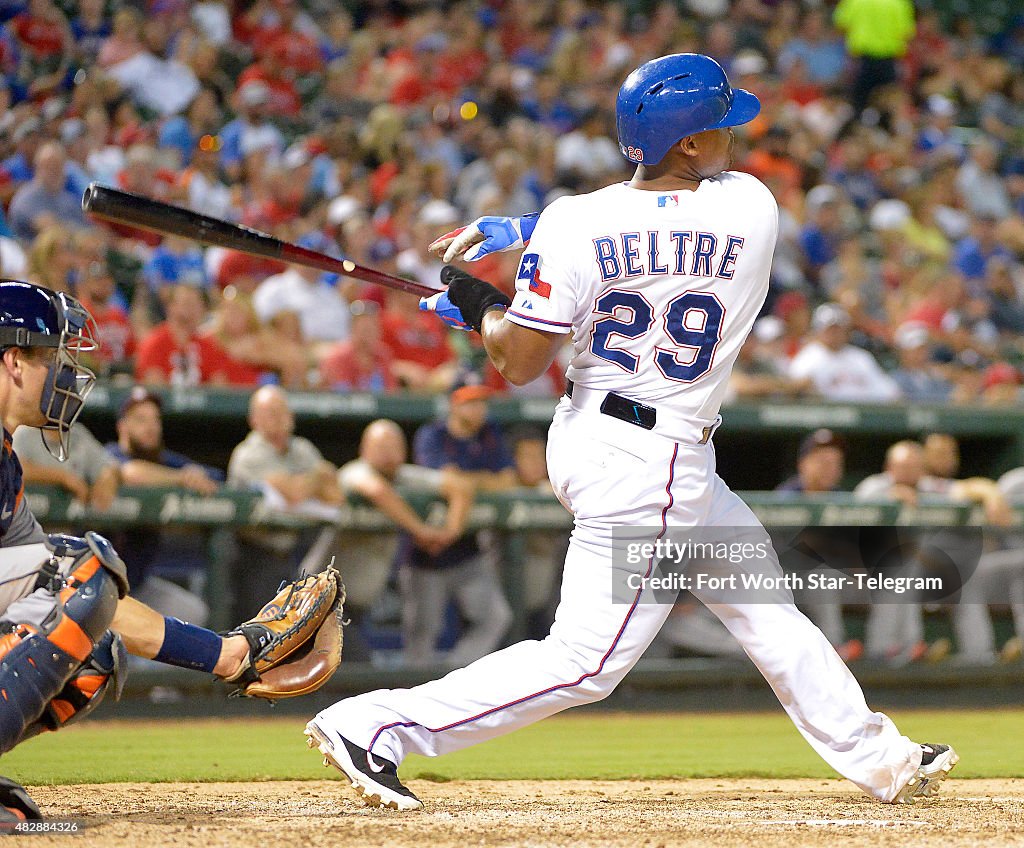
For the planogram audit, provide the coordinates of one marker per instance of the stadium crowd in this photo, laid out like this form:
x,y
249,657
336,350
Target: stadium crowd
x,y
367,129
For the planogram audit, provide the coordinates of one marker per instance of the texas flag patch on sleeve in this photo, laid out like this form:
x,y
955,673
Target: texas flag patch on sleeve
x,y
529,269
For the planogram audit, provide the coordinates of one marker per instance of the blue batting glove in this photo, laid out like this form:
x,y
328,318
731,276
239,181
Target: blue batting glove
x,y
445,310
486,235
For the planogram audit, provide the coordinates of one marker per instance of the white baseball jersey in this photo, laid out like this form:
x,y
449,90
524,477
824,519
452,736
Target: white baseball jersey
x,y
659,289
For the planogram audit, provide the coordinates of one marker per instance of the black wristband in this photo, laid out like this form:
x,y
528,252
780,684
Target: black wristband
x,y
473,297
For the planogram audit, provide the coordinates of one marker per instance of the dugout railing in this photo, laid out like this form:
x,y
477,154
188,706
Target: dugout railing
x,y
756,446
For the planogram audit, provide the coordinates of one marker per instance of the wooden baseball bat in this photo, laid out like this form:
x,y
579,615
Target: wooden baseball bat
x,y
123,207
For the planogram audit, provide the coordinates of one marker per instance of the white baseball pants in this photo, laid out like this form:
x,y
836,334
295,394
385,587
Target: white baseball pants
x,y
610,474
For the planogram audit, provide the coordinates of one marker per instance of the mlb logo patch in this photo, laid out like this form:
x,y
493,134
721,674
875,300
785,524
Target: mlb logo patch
x,y
529,269
666,201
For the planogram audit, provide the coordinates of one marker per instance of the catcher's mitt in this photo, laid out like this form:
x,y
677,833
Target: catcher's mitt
x,y
295,642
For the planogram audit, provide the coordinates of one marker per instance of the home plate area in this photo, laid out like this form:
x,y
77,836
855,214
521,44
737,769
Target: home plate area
x,y
712,812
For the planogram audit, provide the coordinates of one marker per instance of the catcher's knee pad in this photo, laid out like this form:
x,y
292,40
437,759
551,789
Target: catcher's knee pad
x,y
105,668
36,662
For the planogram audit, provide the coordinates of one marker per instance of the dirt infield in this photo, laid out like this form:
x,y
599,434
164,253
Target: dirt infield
x,y
658,814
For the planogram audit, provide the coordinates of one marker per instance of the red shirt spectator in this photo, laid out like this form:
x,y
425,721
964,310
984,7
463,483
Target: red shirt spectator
x,y
361,362
164,359
43,37
245,271
352,367
111,326
284,99
112,330
412,336
291,49
174,353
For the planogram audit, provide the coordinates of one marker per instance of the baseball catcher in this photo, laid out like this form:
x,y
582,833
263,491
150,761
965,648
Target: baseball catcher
x,y
67,621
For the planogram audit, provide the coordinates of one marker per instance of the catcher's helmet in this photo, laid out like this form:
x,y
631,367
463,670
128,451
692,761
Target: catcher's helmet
x,y
669,98
35,317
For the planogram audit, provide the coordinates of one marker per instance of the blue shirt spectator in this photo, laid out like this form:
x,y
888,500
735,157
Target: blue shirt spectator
x,y
465,440
175,261
972,254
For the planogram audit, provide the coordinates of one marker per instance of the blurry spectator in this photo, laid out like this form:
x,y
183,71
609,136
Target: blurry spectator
x,y
972,254
47,46
287,35
203,184
587,153
18,165
901,477
112,327
972,623
877,34
250,131
183,133
794,311
174,353
45,198
544,551
507,194
157,84
918,378
529,454
422,359
838,370
435,219
90,29
895,632
382,466
89,474
291,473
145,459
821,462
760,369
465,439
125,41
314,296
175,261
981,186
1007,308
820,465
254,350
824,232
361,363
773,162
276,461
467,442
1000,385
282,95
51,258
817,48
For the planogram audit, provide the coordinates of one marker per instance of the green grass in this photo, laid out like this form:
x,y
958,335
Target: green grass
x,y
590,745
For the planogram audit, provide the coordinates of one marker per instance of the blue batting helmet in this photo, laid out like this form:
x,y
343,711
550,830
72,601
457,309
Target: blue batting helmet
x,y
35,317
669,98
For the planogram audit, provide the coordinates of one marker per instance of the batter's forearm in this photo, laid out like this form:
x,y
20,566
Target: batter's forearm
x,y
521,355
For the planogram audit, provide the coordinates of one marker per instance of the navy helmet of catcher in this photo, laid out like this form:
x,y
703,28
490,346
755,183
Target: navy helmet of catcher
x,y
35,318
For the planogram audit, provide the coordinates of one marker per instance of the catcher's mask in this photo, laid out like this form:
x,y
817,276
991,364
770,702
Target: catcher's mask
x,y
35,317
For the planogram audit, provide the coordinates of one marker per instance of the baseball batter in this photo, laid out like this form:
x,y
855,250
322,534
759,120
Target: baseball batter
x,y
659,281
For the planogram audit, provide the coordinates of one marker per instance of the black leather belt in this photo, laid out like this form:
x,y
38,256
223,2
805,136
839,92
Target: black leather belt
x,y
632,411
